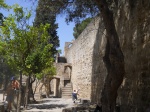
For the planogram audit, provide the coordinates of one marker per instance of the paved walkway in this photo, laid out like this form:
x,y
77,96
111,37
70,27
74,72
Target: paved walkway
x,y
48,105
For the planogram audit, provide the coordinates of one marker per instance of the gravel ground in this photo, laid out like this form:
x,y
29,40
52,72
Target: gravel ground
x,y
51,105
48,105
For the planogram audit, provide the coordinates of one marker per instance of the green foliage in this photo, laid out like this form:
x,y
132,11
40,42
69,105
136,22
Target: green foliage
x,y
44,15
26,47
78,10
3,5
1,19
79,27
5,71
75,10
59,51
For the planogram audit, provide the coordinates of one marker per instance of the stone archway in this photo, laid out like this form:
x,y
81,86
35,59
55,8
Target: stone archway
x,y
51,86
68,71
56,86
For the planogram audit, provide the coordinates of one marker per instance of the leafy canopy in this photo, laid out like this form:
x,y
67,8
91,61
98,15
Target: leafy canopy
x,y
44,16
26,47
3,5
79,27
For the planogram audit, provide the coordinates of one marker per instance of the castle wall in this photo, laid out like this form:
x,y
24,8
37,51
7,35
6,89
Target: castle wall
x,y
132,20
61,73
80,53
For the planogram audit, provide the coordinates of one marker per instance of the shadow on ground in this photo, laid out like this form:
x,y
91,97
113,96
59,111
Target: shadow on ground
x,y
47,106
46,101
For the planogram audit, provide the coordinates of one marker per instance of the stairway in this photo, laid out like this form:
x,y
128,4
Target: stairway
x,y
67,91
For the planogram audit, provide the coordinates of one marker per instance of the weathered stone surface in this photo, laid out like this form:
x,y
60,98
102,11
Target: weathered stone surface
x,y
132,20
80,56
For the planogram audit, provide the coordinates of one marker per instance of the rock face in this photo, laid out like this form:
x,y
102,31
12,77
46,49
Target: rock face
x,y
133,26
132,20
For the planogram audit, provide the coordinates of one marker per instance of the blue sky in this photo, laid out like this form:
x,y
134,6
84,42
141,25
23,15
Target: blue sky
x,y
65,32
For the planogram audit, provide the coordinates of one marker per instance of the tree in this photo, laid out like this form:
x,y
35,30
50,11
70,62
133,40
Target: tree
x,y
5,73
114,58
1,19
44,15
25,47
79,27
5,69
4,5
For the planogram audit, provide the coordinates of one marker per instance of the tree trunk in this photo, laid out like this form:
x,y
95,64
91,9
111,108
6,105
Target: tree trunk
x,y
37,84
31,94
31,91
113,59
20,93
27,92
47,87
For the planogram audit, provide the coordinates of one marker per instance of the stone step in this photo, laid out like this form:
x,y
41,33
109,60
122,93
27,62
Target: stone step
x,y
67,91
66,95
68,88
63,89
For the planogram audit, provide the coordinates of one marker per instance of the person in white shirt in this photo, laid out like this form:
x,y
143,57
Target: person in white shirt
x,y
74,95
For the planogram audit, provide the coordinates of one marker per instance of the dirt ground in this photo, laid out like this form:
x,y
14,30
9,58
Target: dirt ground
x,y
47,104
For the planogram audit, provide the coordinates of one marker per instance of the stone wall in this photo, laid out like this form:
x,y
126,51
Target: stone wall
x,y
63,75
80,53
132,20
63,70
133,25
